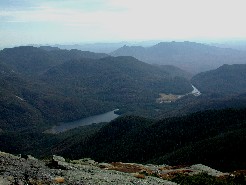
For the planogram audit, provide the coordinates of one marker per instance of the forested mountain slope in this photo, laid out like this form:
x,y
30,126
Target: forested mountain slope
x,y
30,60
214,138
227,79
60,85
114,76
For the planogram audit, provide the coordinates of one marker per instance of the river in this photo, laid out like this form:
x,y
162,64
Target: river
x,y
105,117
64,126
195,91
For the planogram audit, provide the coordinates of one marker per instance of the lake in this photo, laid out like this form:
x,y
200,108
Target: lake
x,y
64,126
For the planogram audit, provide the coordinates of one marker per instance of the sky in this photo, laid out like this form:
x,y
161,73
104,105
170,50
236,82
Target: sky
x,y
24,22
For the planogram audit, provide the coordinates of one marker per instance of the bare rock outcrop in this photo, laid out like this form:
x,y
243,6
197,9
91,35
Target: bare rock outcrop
x,y
16,170
27,170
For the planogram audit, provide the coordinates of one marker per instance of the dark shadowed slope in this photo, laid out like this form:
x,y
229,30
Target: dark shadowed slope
x,y
175,71
29,60
66,85
215,138
227,79
119,79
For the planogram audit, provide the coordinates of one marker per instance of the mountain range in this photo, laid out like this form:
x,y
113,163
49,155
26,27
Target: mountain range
x,y
43,86
46,86
63,85
189,56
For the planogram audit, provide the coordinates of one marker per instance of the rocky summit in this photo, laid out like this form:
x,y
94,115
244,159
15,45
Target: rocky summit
x,y
27,170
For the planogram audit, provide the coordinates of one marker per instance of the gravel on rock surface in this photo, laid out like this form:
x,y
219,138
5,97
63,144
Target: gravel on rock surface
x,y
31,171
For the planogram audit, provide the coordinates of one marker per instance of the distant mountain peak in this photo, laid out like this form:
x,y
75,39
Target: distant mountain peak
x,y
190,56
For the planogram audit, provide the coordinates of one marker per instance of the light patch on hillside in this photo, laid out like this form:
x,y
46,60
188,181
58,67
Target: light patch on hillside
x,y
169,98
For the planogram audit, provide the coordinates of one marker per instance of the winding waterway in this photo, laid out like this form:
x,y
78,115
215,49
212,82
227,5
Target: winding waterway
x,y
195,91
105,117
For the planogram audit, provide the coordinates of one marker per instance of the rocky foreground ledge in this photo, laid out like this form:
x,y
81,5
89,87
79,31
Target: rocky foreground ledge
x,y
23,170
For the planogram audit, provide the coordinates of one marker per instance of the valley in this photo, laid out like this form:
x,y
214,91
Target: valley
x,y
111,115
120,92
80,104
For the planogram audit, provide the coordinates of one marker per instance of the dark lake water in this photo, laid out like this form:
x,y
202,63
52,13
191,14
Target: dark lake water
x,y
105,117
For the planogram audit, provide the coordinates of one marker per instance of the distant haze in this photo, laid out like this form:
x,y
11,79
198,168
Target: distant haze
x,y
190,56
24,22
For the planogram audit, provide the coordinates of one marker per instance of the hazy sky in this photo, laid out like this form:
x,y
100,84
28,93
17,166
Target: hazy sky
x,y
76,21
